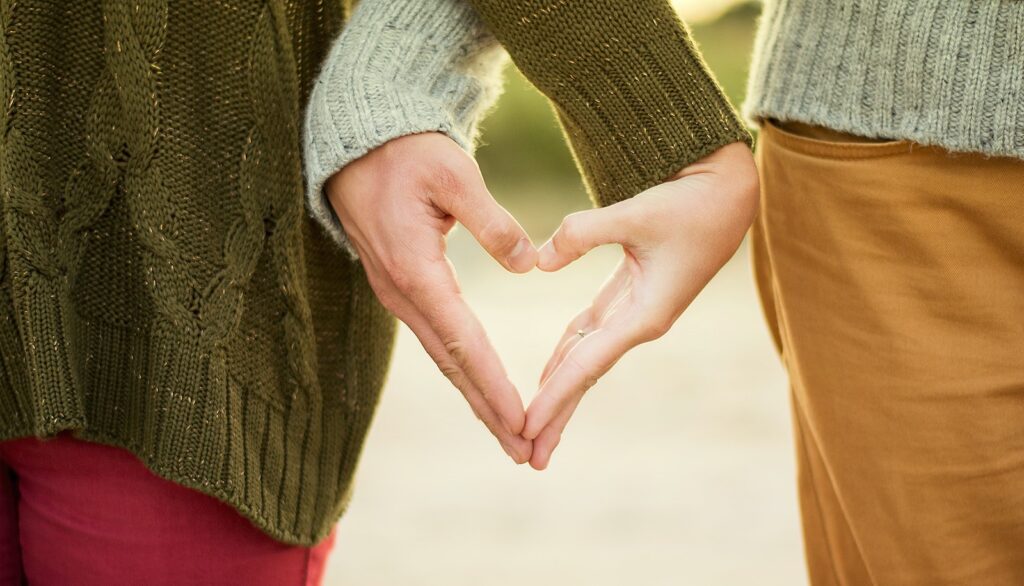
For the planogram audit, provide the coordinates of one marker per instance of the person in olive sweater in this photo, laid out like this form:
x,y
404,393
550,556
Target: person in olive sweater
x,y
183,347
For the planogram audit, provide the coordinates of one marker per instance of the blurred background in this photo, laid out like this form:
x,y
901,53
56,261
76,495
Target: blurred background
x,y
677,467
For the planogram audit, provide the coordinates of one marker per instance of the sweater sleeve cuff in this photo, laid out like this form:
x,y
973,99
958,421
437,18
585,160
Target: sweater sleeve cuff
x,y
400,67
630,89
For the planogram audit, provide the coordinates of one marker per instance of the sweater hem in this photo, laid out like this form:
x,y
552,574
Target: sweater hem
x,y
756,117
668,167
942,74
282,457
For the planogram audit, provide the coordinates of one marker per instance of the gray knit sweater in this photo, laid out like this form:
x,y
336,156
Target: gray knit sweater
x,y
939,72
400,67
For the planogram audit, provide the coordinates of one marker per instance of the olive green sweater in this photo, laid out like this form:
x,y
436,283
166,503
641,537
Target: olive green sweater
x,y
162,287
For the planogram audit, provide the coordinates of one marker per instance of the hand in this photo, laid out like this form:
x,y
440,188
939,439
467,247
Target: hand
x,y
675,237
397,204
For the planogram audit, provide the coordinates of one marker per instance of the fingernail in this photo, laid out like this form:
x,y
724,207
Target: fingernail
x,y
522,258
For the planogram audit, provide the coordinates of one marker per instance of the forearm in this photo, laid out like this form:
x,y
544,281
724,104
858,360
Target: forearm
x,y
400,67
631,90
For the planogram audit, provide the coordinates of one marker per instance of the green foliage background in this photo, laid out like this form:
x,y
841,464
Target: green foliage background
x,y
524,156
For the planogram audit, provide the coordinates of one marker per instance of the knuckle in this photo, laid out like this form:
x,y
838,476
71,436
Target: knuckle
x,y
457,350
447,178
404,281
390,263
407,278
456,376
570,233
500,234
451,372
654,329
630,215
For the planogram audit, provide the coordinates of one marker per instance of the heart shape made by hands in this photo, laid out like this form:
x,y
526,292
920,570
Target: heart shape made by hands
x,y
398,203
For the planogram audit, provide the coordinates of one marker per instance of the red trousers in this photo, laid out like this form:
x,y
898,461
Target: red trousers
x,y
77,512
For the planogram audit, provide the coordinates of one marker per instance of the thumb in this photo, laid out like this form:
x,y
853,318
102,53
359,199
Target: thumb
x,y
580,232
491,225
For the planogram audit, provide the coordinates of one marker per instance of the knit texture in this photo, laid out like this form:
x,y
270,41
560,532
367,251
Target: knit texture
x,y
933,71
628,85
400,67
162,287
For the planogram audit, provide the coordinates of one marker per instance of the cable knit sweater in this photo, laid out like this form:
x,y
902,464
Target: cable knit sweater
x,y
162,286
934,71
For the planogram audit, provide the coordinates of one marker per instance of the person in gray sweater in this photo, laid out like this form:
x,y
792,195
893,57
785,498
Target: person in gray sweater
x,y
889,253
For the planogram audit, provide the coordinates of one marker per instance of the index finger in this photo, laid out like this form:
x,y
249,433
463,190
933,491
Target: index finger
x,y
577,371
438,299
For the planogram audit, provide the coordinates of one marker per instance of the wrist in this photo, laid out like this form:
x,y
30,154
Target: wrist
x,y
735,158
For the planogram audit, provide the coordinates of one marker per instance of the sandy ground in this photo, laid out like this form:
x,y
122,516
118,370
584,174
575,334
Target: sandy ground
x,y
677,468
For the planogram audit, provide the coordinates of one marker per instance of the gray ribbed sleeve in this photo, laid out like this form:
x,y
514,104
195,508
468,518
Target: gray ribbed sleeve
x,y
939,72
400,67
